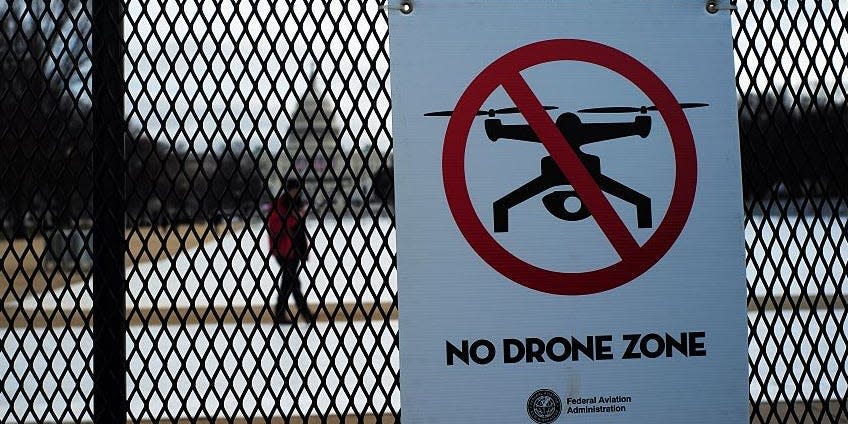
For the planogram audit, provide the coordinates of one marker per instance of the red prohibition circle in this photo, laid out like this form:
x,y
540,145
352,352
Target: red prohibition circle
x,y
634,259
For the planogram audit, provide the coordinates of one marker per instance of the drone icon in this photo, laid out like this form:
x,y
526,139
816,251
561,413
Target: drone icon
x,y
578,135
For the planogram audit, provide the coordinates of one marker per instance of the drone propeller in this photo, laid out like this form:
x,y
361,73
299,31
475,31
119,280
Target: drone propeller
x,y
490,112
643,109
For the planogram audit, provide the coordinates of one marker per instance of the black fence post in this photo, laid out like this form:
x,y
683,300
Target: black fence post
x,y
109,276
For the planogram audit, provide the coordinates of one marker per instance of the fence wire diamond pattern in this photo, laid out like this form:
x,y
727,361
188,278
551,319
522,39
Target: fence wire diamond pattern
x,y
224,103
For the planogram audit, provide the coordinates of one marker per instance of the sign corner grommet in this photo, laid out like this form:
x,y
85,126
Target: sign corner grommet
x,y
403,6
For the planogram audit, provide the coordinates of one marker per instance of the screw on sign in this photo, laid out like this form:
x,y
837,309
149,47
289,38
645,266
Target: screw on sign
x,y
568,165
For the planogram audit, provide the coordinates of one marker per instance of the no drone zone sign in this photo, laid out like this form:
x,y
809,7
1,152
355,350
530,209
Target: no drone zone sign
x,y
569,212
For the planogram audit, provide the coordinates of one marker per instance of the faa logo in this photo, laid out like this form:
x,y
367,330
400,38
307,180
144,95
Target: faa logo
x,y
544,406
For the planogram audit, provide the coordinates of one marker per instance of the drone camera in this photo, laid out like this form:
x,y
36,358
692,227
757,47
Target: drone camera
x,y
555,203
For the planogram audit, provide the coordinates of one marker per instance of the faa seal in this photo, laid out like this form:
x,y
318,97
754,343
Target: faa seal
x,y
544,406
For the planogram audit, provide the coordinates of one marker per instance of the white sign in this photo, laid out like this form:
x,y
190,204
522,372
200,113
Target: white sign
x,y
569,206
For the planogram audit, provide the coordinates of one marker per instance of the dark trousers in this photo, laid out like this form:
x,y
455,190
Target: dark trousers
x,y
290,285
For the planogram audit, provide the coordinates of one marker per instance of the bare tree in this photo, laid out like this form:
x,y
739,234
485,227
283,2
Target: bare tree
x,y
793,148
44,136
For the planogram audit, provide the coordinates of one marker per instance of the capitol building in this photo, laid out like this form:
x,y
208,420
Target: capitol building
x,y
336,179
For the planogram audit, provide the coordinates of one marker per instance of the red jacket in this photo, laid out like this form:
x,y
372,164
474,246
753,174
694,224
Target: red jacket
x,y
286,233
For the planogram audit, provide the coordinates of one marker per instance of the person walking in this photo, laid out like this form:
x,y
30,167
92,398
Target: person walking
x,y
289,247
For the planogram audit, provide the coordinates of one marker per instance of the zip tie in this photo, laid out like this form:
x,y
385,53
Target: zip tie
x,y
714,7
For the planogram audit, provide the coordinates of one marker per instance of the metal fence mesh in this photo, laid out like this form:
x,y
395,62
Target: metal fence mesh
x,y
794,140
45,197
223,103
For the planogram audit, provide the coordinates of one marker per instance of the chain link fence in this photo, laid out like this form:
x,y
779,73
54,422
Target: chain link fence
x,y
794,140
140,176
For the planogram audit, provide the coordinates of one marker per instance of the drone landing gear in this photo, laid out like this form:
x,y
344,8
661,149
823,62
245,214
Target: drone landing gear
x,y
554,202
520,195
642,202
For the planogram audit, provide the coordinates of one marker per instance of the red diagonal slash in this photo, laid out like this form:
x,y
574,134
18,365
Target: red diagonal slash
x,y
565,156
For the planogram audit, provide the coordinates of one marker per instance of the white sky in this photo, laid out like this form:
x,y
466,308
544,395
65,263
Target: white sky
x,y
187,85
189,75
807,38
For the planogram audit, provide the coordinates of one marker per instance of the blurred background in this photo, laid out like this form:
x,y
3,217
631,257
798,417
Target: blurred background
x,y
222,102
